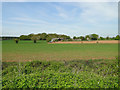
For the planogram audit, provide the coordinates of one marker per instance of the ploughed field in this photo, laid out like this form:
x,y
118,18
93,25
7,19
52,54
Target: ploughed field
x,y
99,41
43,65
28,51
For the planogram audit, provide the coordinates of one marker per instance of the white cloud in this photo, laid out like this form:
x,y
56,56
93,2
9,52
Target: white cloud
x,y
63,15
61,11
95,13
107,10
26,19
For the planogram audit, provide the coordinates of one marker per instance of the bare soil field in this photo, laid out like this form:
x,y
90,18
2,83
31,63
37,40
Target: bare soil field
x,y
73,42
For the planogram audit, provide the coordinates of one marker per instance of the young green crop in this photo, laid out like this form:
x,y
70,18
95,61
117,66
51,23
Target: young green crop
x,y
28,51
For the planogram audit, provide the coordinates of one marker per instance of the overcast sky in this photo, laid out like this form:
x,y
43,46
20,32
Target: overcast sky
x,y
70,18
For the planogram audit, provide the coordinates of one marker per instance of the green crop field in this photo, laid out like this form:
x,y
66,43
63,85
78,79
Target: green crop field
x,y
28,51
59,65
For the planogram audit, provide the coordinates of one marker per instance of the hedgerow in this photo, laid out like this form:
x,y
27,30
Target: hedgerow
x,y
61,74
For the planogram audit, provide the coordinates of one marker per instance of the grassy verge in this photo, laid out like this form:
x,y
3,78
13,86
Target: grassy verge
x,y
61,74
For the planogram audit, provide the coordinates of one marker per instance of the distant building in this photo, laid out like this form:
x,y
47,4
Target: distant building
x,y
88,39
58,39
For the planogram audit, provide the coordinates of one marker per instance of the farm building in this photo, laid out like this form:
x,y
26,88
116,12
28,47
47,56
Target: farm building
x,y
56,39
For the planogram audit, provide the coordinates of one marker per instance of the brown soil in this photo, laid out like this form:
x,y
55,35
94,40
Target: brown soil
x,y
96,58
102,41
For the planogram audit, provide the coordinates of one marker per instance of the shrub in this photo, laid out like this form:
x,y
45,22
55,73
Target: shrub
x,y
57,74
70,40
16,40
48,39
35,38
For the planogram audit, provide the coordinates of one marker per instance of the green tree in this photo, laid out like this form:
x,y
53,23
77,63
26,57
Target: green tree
x,y
101,38
117,37
16,40
107,38
35,38
30,35
74,37
94,36
52,35
43,36
25,37
87,37
70,39
48,39
82,38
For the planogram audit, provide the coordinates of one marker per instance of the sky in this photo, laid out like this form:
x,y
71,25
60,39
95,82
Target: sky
x,y
69,18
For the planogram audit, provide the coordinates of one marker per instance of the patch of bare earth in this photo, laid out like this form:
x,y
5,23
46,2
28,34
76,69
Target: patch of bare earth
x,y
77,42
93,58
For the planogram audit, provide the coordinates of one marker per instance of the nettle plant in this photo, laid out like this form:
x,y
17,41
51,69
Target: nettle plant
x,y
35,38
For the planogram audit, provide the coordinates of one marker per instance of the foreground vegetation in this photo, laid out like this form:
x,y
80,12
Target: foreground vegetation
x,y
61,74
62,65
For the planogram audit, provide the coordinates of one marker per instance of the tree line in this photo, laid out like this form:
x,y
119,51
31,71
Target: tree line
x,y
96,37
43,36
49,37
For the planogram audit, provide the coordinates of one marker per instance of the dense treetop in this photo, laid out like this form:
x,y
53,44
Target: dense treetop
x,y
49,37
